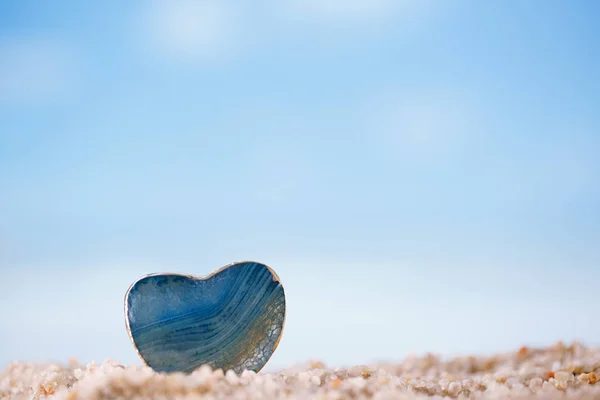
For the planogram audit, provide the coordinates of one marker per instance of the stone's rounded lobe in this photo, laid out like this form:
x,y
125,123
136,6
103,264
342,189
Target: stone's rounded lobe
x,y
232,319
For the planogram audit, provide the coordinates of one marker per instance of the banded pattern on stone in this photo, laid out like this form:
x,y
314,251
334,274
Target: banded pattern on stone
x,y
232,319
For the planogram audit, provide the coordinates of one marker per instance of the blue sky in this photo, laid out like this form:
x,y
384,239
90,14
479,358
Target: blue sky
x,y
407,167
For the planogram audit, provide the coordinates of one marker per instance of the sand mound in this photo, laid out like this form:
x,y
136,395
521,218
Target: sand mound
x,y
557,372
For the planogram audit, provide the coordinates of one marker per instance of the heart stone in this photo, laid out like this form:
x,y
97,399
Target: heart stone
x,y
231,319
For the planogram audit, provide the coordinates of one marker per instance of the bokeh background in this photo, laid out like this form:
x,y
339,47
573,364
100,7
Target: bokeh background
x,y
423,175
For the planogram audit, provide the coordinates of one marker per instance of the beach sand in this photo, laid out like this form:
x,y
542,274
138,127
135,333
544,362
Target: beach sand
x,y
556,372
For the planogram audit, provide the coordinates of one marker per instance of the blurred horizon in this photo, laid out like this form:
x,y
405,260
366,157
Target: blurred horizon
x,y
422,175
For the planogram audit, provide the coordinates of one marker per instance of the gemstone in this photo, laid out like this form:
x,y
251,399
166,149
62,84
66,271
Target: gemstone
x,y
231,319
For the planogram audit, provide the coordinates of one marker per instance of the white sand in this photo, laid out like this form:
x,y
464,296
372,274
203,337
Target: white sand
x,y
557,372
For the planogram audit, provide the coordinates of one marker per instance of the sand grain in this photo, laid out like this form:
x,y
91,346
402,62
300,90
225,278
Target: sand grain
x,y
556,372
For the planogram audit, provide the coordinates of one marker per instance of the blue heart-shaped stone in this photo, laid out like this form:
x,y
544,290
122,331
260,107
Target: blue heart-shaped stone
x,y
231,319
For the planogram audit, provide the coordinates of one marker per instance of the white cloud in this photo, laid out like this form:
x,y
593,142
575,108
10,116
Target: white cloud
x,y
188,29
35,70
208,30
